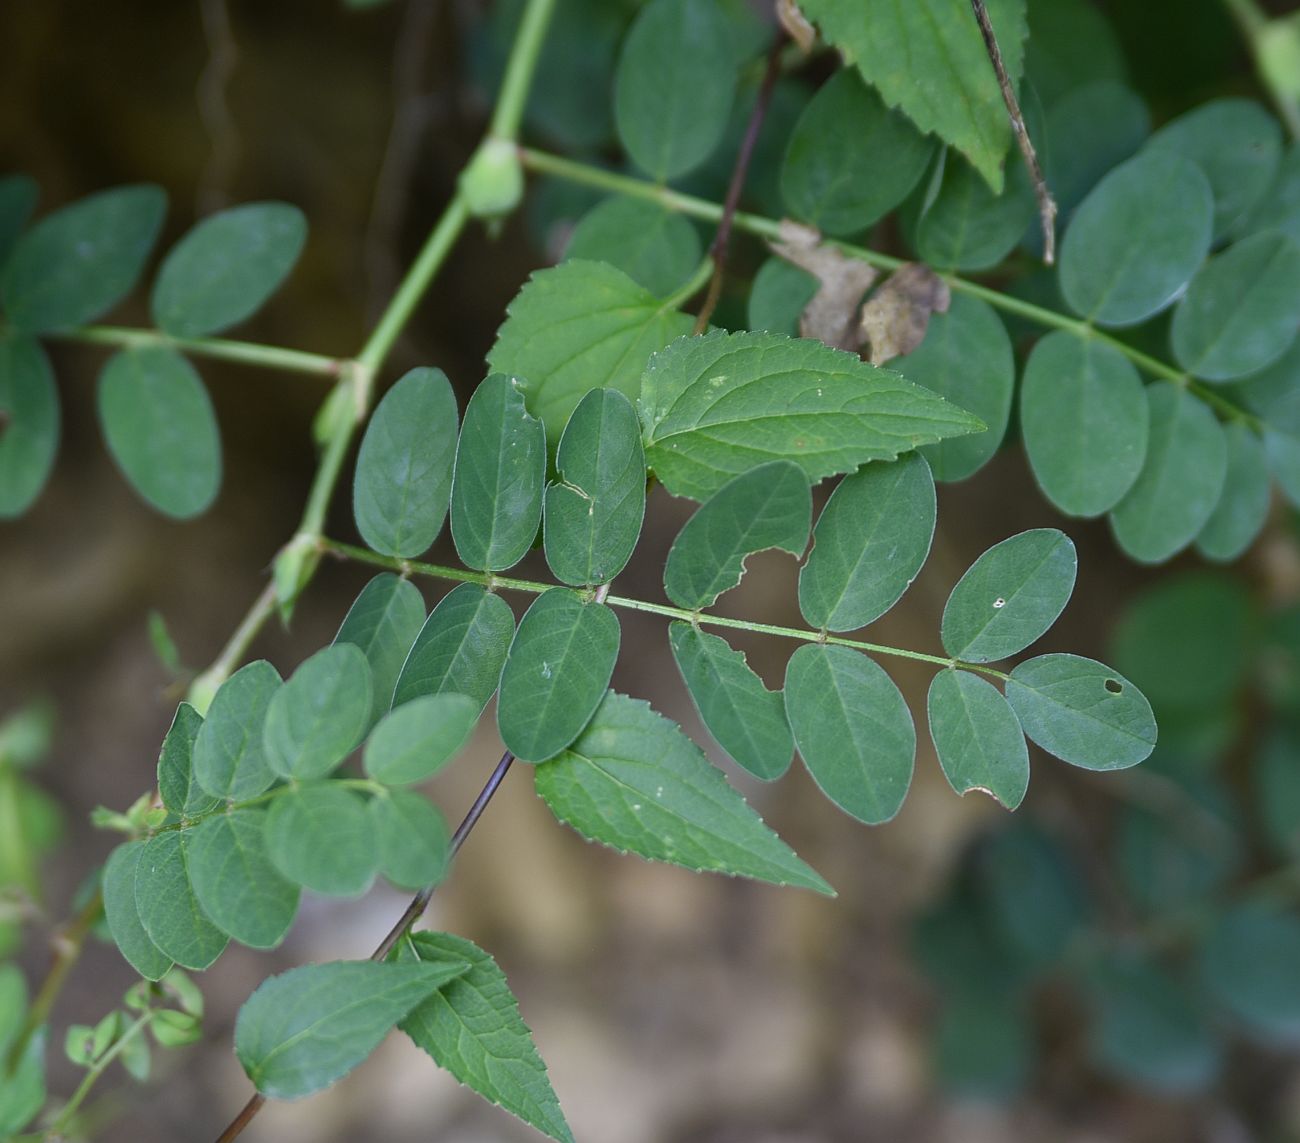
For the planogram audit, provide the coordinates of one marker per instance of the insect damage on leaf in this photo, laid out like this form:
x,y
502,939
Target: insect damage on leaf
x,y
895,317
831,314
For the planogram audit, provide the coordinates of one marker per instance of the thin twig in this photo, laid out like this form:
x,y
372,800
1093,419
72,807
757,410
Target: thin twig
x,y
722,239
1046,204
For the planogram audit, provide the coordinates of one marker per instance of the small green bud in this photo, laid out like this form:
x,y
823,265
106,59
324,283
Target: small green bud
x,y
493,183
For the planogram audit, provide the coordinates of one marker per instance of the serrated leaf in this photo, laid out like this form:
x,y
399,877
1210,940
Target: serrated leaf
x,y
977,737
767,507
869,543
1082,711
745,718
29,423
577,327
635,782
1181,479
929,59
1010,596
1247,964
594,509
414,841
853,730
555,675
963,225
321,836
657,248
18,195
180,790
169,911
496,493
1084,419
74,265
419,737
673,87
161,430
1239,313
402,486
225,268
832,176
460,649
1243,505
1137,239
304,1029
384,622
471,1027
128,931
229,759
319,716
721,404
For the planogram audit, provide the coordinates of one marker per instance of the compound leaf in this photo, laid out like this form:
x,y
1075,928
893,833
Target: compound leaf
x,y
177,783
977,737
320,714
384,622
128,931
321,836
229,758
657,248
415,740
414,841
169,910
635,782
29,423
1243,505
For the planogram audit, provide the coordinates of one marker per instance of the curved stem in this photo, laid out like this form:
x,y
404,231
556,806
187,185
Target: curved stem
x,y
136,1027
509,110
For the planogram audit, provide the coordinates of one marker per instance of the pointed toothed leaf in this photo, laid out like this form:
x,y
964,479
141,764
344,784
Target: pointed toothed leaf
x,y
321,836
745,718
595,507
319,716
418,738
460,649
635,782
853,729
229,758
128,931
177,783
977,737
496,493
718,405
1243,505
555,675
869,543
655,247
384,622
29,416
767,507
169,911
414,841
1082,711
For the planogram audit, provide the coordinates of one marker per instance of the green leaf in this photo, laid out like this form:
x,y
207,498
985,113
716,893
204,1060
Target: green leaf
x,y
472,1028
718,405
1084,419
496,494
74,265
234,881
778,296
128,932
1243,505
656,248
555,675
225,268
1071,43
319,716
1238,315
419,737
853,730
161,430
963,225
304,1029
673,87
767,507
595,506
321,836
965,358
22,1095
414,841
1248,965
229,759
833,177
577,327
1137,239
1082,711
928,58
461,647
870,541
384,622
1282,451
403,479
1279,209
745,718
977,737
168,907
18,195
1010,596
1181,480
635,782
29,423
177,782
1236,143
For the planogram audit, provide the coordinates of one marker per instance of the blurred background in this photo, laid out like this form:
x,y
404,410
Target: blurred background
x,y
1119,961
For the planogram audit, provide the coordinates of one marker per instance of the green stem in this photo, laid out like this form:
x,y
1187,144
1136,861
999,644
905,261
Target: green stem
x,y
57,1129
518,79
244,352
1255,23
694,284
534,587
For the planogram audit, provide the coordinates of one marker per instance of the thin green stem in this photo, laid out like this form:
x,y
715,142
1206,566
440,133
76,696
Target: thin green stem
x,y
518,78
244,352
1256,27
694,284
57,1129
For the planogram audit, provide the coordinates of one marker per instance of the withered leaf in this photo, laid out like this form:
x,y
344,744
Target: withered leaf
x,y
831,315
797,26
895,317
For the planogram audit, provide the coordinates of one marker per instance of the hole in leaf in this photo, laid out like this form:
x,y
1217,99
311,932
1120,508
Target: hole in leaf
x,y
999,602
1114,686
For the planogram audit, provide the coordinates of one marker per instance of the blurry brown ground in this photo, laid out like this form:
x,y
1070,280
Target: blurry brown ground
x,y
671,1008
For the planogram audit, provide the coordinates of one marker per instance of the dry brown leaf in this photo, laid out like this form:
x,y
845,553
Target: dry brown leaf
x,y
895,317
797,26
831,315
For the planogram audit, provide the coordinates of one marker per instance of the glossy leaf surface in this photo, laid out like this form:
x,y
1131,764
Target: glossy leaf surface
x,y
229,758
177,783
320,714
168,908
977,737
419,737
321,836
384,623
